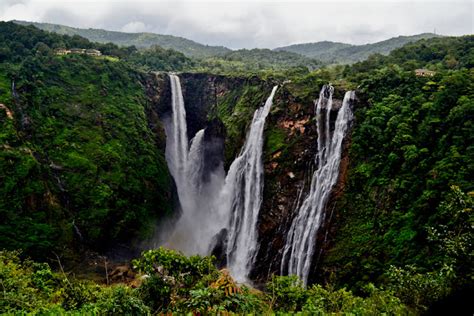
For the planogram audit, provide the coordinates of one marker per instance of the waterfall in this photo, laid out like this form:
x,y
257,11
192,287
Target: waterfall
x,y
301,239
209,202
195,164
192,233
177,135
241,197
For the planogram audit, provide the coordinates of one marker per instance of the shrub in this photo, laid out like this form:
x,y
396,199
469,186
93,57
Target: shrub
x,y
76,294
117,300
26,286
184,270
214,299
204,300
246,301
286,293
235,298
181,284
155,293
417,289
322,301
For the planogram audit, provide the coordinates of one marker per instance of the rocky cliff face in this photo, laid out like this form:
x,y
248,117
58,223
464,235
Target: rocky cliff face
x,y
288,170
226,105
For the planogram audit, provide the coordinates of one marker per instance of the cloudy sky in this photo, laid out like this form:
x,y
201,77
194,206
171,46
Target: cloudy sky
x,y
258,23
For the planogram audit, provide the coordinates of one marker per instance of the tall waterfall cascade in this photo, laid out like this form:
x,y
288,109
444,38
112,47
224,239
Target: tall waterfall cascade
x,y
192,233
241,197
301,238
233,203
177,134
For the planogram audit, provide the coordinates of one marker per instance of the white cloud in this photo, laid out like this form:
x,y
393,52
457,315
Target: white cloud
x,y
134,27
260,23
18,10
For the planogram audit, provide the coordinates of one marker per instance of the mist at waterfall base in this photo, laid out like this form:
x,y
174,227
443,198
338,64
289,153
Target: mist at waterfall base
x,y
196,184
219,210
214,210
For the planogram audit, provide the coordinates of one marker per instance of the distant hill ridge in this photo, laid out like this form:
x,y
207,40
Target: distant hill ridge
x,y
334,52
324,51
140,40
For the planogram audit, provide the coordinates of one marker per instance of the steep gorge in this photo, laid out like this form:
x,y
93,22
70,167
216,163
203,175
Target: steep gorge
x,y
220,106
224,105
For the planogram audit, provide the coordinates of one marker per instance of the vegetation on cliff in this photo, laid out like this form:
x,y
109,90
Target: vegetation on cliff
x,y
79,164
156,58
257,61
406,212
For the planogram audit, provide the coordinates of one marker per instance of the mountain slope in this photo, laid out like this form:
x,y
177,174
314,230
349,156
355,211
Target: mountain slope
x,y
334,52
257,60
318,50
140,40
79,161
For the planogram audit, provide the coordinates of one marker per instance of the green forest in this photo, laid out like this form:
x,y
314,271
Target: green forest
x,y
83,169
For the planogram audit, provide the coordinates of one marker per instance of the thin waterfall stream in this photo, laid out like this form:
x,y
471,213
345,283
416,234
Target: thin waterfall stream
x,y
301,239
242,197
177,134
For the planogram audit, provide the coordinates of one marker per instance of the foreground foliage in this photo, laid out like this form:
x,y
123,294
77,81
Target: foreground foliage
x,y
30,287
178,284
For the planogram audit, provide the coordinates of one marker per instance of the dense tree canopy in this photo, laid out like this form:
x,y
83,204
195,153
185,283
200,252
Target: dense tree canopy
x,y
77,160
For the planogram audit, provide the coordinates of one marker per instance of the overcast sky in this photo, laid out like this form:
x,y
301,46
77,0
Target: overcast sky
x,y
259,23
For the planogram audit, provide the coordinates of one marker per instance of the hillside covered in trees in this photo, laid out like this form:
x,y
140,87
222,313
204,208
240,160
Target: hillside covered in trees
x,y
317,53
334,53
68,159
139,40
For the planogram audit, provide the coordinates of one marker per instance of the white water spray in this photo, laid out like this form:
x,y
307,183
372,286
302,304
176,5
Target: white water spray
x,y
241,197
193,232
301,239
177,134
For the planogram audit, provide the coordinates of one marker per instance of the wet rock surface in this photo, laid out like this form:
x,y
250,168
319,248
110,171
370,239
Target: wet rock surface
x,y
288,184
